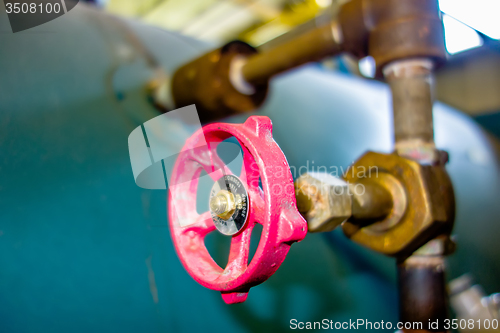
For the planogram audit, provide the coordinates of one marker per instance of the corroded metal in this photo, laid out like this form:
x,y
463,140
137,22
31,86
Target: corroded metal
x,y
234,78
411,83
429,209
325,201
422,294
206,82
390,30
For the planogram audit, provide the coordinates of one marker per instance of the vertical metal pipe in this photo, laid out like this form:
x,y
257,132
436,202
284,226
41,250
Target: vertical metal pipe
x,y
411,83
422,293
421,277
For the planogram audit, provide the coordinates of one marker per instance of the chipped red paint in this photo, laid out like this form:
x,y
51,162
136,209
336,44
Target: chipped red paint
x,y
277,213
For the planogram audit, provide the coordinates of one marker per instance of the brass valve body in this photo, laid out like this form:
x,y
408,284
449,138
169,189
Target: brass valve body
x,y
429,210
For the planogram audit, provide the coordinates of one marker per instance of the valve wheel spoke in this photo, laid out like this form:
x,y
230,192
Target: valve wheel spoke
x,y
203,224
240,243
210,161
239,250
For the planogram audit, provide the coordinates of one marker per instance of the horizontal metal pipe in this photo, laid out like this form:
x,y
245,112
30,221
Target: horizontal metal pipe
x,y
373,203
312,45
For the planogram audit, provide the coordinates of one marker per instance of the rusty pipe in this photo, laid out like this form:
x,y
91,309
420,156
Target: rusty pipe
x,y
421,276
412,84
388,30
234,78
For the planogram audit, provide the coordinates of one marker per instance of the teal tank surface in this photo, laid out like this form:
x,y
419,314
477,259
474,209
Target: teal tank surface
x,y
84,249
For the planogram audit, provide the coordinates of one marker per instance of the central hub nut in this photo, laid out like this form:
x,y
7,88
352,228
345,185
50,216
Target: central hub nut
x,y
229,204
223,204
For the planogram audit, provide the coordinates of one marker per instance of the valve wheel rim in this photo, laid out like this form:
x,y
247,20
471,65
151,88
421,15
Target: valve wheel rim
x,y
259,149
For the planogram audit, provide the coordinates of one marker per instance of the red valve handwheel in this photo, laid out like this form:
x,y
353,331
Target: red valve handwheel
x,y
273,206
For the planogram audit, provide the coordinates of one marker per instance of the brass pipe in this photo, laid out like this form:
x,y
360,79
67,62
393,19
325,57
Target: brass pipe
x,y
310,46
234,79
326,201
206,82
373,203
363,27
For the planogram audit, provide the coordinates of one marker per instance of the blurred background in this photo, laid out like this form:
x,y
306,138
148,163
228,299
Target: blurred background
x,y
470,81
84,249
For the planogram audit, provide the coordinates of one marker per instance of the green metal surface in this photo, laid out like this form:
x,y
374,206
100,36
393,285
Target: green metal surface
x,y
83,249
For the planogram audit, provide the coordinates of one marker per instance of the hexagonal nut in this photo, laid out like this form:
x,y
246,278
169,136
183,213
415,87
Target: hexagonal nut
x,y
429,209
324,200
